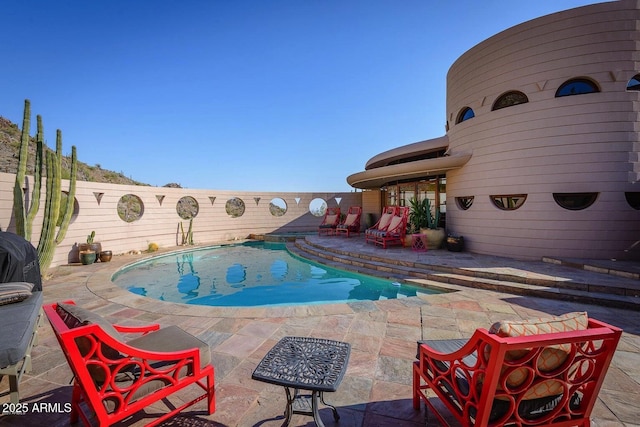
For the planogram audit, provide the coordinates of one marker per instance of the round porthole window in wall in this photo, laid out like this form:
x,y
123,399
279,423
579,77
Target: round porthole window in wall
x,y
633,198
187,207
575,201
277,207
318,207
235,207
130,208
508,202
64,197
464,202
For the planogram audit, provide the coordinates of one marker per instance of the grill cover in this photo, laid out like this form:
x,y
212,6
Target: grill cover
x,y
19,261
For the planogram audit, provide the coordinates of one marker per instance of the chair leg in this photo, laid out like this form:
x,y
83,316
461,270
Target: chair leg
x,y
211,396
76,397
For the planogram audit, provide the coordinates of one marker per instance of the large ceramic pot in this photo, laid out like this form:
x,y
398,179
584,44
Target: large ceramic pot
x,y
105,256
435,237
87,257
95,247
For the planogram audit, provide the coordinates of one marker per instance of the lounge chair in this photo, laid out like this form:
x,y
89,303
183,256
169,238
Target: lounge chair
x,y
540,372
351,223
329,222
394,232
382,224
114,379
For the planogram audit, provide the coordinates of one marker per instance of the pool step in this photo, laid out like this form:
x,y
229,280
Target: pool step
x,y
436,276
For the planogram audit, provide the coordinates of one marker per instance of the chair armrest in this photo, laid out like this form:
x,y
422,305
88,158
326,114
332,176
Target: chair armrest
x,y
137,329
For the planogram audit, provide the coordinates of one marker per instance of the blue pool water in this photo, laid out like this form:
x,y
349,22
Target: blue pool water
x,y
250,275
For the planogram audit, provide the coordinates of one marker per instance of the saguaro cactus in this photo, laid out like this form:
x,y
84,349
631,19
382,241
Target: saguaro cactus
x,y
37,179
48,237
19,210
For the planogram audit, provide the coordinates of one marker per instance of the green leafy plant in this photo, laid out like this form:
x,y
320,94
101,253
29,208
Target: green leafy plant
x,y
422,216
90,237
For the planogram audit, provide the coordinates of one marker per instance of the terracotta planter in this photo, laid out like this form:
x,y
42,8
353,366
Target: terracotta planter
x,y
87,257
435,237
105,256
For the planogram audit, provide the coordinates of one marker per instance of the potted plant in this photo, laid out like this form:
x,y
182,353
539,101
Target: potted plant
x,y
423,218
91,245
87,257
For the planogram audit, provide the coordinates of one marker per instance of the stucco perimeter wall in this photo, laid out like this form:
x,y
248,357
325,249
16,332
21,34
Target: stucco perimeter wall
x,y
159,222
581,143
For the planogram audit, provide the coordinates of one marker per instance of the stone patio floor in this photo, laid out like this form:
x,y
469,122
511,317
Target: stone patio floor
x,y
376,390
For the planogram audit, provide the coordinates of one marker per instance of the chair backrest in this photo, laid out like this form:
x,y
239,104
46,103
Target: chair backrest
x,y
398,224
528,380
385,218
331,216
353,217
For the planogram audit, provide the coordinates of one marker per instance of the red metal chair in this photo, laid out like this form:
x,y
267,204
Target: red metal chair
x,y
549,377
383,223
114,379
394,232
329,222
351,223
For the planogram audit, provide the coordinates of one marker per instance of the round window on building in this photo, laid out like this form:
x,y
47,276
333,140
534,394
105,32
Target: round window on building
x,y
464,202
575,201
509,99
130,208
465,114
277,207
318,207
187,207
64,198
634,83
235,207
509,202
633,198
577,87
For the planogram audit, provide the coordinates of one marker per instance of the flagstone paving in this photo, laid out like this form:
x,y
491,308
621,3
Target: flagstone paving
x,y
376,390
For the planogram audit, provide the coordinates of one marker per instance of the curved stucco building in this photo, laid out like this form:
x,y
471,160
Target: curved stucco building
x,y
542,151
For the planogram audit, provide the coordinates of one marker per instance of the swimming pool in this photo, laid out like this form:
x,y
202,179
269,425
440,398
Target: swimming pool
x,y
252,274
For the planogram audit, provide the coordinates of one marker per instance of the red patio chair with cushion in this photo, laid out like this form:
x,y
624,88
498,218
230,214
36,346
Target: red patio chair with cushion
x,y
115,379
394,232
351,223
383,223
329,222
540,372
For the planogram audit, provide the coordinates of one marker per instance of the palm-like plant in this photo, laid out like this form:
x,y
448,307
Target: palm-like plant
x,y
421,215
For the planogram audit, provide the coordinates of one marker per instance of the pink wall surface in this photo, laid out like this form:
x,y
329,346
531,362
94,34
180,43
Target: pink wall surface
x,y
160,220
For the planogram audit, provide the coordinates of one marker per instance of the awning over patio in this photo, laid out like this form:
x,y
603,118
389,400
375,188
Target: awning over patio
x,y
377,177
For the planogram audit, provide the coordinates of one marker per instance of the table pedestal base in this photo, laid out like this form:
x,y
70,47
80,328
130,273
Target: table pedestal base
x,y
306,405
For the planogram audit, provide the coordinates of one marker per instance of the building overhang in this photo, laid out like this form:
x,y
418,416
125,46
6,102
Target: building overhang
x,y
396,155
378,177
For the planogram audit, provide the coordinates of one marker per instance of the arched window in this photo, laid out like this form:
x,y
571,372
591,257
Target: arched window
x,y
509,202
464,202
633,198
465,114
634,83
509,99
575,201
576,87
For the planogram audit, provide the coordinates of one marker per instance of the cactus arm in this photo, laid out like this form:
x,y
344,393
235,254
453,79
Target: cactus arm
x,y
190,233
19,211
66,220
46,246
37,183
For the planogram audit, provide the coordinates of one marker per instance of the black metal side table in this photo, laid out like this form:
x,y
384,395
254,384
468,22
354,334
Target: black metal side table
x,y
303,363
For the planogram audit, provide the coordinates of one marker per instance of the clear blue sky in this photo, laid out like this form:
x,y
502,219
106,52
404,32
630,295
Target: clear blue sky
x,y
265,95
